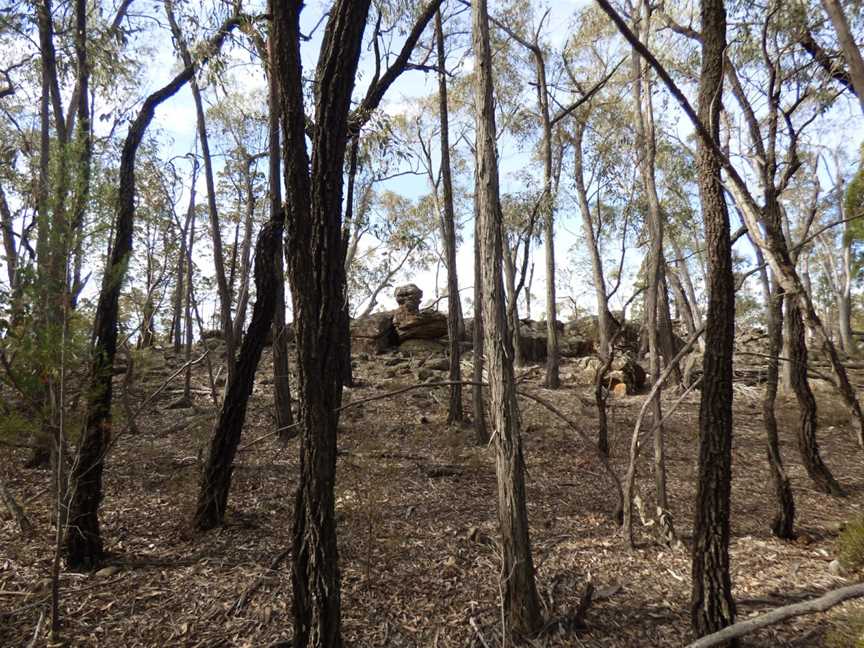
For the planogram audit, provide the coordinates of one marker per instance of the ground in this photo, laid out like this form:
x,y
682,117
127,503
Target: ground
x,y
416,520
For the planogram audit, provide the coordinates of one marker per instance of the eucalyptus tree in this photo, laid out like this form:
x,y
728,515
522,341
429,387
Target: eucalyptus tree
x,y
84,545
225,297
520,604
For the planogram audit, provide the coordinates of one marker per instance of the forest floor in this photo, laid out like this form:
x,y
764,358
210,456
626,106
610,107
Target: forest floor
x,y
416,521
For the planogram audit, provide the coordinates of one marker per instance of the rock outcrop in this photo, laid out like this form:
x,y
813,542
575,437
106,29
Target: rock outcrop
x,y
625,377
374,333
410,322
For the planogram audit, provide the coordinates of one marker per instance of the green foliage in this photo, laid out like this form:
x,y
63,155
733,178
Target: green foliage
x,y
847,630
850,545
854,203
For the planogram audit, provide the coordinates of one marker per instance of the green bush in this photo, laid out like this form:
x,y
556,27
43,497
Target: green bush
x,y
847,630
850,545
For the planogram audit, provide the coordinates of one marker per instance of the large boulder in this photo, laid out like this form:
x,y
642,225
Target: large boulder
x,y
410,322
374,333
624,371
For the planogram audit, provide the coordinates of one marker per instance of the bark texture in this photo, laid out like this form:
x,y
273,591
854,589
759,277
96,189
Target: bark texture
x,y
712,606
521,604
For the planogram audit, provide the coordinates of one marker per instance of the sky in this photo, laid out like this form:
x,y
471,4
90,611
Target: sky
x,y
176,121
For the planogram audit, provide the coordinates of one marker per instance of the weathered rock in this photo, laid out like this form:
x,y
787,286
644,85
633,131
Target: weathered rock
x,y
423,325
624,371
413,324
374,333
418,347
575,347
408,296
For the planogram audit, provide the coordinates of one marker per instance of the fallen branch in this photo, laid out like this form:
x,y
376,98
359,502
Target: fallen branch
x,y
821,604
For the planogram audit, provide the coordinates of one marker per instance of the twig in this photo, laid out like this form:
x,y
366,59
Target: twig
x,y
480,636
244,598
38,630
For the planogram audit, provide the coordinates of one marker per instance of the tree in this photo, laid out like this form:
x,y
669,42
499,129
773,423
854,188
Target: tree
x,y
520,605
317,273
712,606
84,548
448,228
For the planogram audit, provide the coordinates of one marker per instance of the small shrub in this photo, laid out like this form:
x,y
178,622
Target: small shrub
x,y
850,545
847,629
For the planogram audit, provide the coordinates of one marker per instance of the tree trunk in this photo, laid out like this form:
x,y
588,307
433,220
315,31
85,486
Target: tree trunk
x,y
317,270
654,319
481,432
215,229
807,443
216,476
513,307
553,357
783,525
84,547
281,360
712,606
454,304
520,605
604,349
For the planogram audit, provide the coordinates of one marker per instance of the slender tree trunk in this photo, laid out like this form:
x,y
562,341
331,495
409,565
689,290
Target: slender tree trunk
x,y
481,432
281,359
245,256
807,443
513,307
454,305
84,546
712,606
654,319
225,296
216,476
190,295
604,349
844,321
520,605
783,524
553,353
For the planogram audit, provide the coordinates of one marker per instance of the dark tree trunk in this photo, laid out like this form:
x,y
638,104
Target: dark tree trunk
x,y
783,524
807,443
712,606
454,304
281,360
216,477
316,262
84,547
521,604
317,271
